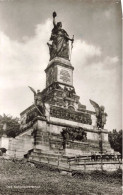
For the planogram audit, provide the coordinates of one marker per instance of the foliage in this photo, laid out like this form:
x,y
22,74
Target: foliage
x,y
9,126
74,134
115,139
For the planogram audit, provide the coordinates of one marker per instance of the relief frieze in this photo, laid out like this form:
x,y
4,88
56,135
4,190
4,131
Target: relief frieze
x,y
67,114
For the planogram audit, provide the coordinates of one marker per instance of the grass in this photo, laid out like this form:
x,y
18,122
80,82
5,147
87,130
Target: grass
x,y
23,178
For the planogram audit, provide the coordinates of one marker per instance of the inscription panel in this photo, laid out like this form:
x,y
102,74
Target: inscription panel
x,y
64,75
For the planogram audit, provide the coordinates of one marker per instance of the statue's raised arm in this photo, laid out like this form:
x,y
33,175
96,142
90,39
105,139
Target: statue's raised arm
x,y
54,21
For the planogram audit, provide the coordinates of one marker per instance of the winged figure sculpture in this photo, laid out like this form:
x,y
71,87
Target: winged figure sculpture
x,y
100,114
32,90
39,104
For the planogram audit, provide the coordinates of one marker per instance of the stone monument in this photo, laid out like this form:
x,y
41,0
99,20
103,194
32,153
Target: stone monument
x,y
58,121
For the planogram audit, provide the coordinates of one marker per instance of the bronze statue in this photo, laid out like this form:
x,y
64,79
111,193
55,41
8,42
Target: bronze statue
x,y
60,41
38,102
100,114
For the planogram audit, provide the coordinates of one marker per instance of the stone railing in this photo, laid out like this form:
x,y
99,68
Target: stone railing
x,y
96,158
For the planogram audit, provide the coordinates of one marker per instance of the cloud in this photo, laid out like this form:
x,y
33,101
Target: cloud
x,y
22,64
111,62
82,51
97,77
21,61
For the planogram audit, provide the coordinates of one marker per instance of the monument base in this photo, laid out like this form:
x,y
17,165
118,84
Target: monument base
x,y
77,155
62,127
48,137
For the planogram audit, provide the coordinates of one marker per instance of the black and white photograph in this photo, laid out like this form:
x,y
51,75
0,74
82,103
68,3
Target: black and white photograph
x,y
61,97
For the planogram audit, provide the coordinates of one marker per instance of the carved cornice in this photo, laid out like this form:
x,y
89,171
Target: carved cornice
x,y
59,63
65,125
56,82
57,59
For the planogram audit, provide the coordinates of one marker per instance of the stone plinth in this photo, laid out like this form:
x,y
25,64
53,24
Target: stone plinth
x,y
59,70
48,137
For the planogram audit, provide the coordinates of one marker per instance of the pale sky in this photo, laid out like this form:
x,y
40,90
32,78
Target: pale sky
x,y
25,28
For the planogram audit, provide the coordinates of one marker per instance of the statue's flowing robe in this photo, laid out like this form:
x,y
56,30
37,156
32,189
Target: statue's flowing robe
x,y
60,45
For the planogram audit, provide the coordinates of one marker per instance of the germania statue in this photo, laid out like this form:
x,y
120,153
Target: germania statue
x,y
60,41
100,114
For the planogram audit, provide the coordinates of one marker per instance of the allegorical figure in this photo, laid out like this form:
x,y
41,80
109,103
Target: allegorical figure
x,y
60,41
100,114
38,102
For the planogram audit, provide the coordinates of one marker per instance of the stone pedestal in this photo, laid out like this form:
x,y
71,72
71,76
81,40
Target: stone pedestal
x,y
59,70
63,112
49,139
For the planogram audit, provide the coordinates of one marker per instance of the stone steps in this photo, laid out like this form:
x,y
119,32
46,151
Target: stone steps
x,y
59,162
69,162
61,166
111,166
49,151
49,157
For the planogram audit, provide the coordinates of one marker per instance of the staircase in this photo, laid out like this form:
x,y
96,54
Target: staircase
x,y
73,163
49,157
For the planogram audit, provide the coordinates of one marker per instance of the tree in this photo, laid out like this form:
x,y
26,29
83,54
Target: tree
x,y
115,139
9,126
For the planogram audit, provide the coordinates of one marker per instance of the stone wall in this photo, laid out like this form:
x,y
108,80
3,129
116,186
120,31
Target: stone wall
x,y
17,147
49,138
4,142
